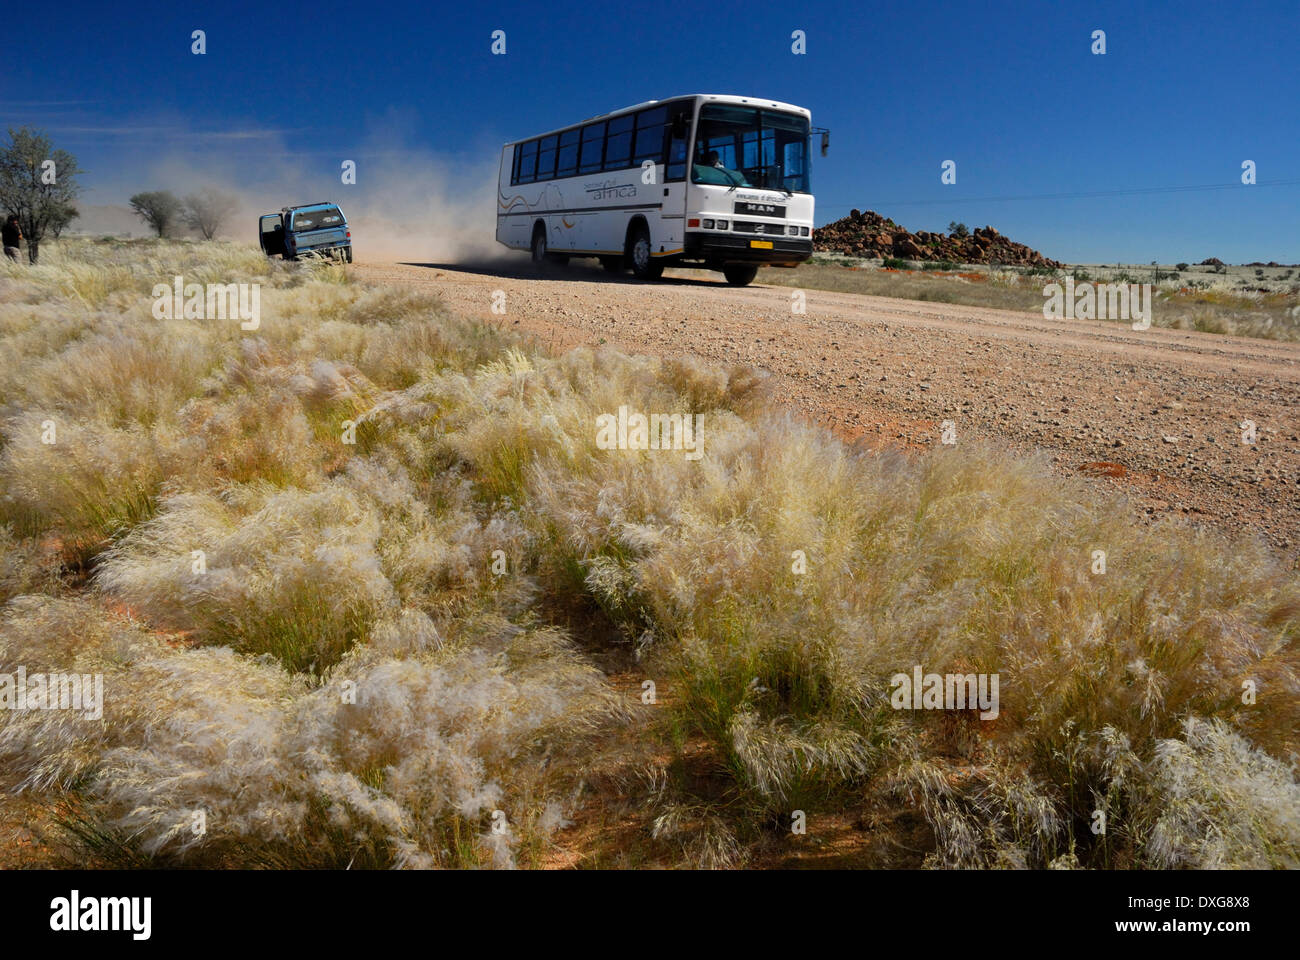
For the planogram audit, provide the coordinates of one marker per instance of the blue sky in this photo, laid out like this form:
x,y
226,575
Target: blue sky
x,y
1011,92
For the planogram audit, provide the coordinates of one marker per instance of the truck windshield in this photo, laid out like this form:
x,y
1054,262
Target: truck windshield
x,y
743,146
317,219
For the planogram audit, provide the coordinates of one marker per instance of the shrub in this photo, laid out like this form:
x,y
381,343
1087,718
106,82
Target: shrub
x,y
409,772
371,655
291,573
91,483
406,772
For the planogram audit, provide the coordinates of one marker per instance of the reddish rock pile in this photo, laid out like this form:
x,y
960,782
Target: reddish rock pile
x,y
871,235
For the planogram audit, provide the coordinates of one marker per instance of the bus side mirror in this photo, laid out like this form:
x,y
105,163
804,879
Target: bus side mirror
x,y
826,141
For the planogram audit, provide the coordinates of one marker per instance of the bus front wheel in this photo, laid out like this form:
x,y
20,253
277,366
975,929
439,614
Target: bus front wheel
x,y
740,274
644,265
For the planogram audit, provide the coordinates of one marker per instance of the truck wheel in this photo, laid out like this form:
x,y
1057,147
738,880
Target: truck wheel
x,y
739,274
347,254
644,265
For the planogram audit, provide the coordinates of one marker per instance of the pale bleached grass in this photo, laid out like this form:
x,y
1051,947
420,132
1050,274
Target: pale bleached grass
x,y
393,761
92,482
421,566
1213,802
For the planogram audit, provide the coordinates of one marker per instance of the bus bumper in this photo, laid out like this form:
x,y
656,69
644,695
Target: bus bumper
x,y
740,248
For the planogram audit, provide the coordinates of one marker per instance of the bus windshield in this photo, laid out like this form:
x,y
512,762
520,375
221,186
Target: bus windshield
x,y
741,146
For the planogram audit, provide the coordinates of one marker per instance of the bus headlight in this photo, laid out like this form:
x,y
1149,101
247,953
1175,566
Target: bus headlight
x,y
804,231
793,231
708,224
722,224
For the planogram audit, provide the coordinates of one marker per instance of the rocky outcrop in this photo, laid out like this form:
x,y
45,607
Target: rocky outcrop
x,y
868,234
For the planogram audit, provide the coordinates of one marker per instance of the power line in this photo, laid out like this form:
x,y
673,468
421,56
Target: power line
x,y
1137,191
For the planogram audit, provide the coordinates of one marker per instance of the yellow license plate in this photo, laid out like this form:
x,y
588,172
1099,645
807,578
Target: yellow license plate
x,y
761,244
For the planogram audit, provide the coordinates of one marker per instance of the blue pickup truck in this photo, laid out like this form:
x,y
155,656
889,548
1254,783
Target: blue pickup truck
x,y
317,228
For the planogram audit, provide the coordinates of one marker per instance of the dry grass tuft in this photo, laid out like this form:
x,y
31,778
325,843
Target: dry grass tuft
x,y
350,575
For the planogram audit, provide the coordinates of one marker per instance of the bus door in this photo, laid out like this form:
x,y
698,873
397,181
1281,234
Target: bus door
x,y
674,188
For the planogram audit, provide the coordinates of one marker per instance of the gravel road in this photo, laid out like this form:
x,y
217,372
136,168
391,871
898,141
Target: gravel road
x,y
1158,413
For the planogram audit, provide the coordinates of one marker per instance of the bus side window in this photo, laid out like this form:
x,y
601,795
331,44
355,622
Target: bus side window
x,y
676,165
650,135
593,147
546,159
618,146
567,163
528,162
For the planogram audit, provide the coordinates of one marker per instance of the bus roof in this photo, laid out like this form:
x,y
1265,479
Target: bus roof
x,y
716,97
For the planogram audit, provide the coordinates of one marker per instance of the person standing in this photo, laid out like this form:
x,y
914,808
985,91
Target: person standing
x,y
12,236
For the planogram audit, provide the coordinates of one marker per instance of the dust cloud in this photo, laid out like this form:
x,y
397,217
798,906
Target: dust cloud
x,y
407,204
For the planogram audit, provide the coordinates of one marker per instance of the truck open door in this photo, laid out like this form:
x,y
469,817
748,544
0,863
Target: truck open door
x,y
271,232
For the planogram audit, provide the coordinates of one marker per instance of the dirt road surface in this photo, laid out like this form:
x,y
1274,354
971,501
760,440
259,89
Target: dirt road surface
x,y
1160,413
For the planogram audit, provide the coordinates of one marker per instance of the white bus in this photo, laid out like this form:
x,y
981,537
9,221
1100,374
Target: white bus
x,y
720,182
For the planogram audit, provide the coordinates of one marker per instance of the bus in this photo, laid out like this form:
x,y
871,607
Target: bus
x,y
713,181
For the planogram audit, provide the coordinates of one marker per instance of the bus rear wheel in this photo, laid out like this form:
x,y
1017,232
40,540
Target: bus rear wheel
x,y
644,265
740,274
539,246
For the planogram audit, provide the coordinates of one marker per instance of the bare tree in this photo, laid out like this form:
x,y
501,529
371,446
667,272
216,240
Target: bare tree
x,y
207,211
158,208
37,184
